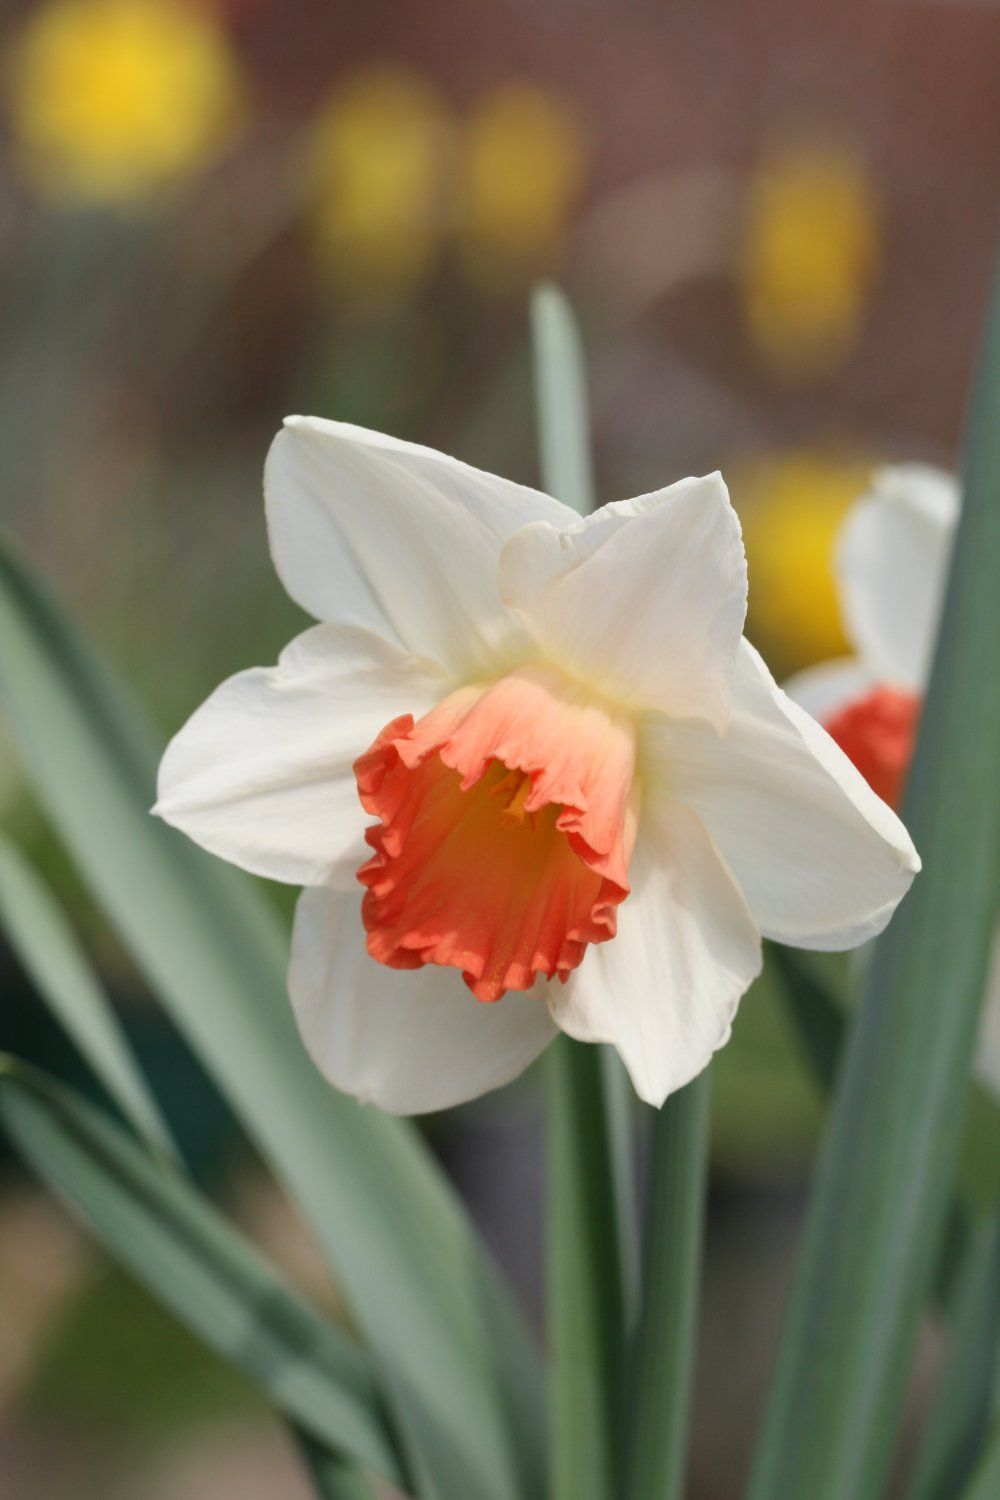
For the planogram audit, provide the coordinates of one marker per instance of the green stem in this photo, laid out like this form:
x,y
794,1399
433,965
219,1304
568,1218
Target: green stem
x,y
332,1478
818,1021
620,1106
966,1398
664,1358
586,1301
592,1232
985,1483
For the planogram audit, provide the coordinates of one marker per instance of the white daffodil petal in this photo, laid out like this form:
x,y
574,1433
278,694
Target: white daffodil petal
x,y
261,773
370,531
822,861
665,989
987,1063
646,597
826,689
892,565
408,1040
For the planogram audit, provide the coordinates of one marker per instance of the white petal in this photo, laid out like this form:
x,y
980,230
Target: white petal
x,y
987,1064
825,689
408,1040
646,596
892,564
822,861
664,990
261,773
370,531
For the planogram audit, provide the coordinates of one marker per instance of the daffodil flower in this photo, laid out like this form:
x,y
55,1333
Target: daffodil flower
x,y
111,100
892,566
530,772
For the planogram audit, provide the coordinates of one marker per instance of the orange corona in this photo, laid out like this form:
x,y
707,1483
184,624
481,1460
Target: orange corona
x,y
506,820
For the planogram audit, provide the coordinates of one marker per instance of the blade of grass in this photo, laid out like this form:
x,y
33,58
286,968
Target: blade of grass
x,y
591,1241
183,1251
966,1400
664,1358
461,1370
52,957
889,1158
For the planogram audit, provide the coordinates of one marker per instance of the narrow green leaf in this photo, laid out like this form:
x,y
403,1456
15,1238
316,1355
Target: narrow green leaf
x,y
821,1025
184,1252
620,1103
462,1373
48,948
965,1403
889,1159
979,1183
819,1022
561,401
664,1360
585,1289
52,956
332,1478
593,1248
985,1483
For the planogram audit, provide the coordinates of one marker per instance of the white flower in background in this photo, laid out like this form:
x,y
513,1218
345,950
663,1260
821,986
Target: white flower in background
x,y
892,568
545,751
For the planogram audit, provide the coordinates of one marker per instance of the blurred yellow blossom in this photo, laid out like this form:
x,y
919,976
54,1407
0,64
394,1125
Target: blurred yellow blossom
x,y
809,256
111,99
791,506
378,165
523,167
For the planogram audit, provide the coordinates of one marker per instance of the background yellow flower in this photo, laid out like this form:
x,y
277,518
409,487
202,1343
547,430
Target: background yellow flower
x,y
110,99
810,252
378,165
523,167
791,505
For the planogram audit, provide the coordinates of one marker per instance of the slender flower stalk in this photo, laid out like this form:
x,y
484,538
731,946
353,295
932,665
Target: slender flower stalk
x,y
585,1288
591,1243
664,1355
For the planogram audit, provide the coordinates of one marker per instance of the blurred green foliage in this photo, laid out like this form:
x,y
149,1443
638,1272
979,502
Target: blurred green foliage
x,y
151,1378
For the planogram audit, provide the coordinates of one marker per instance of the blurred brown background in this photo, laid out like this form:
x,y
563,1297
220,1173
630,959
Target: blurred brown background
x,y
777,223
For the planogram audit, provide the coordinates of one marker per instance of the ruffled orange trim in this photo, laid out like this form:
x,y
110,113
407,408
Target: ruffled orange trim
x,y
506,820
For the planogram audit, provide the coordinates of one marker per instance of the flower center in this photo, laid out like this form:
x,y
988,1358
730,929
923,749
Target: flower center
x,y
506,821
877,732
